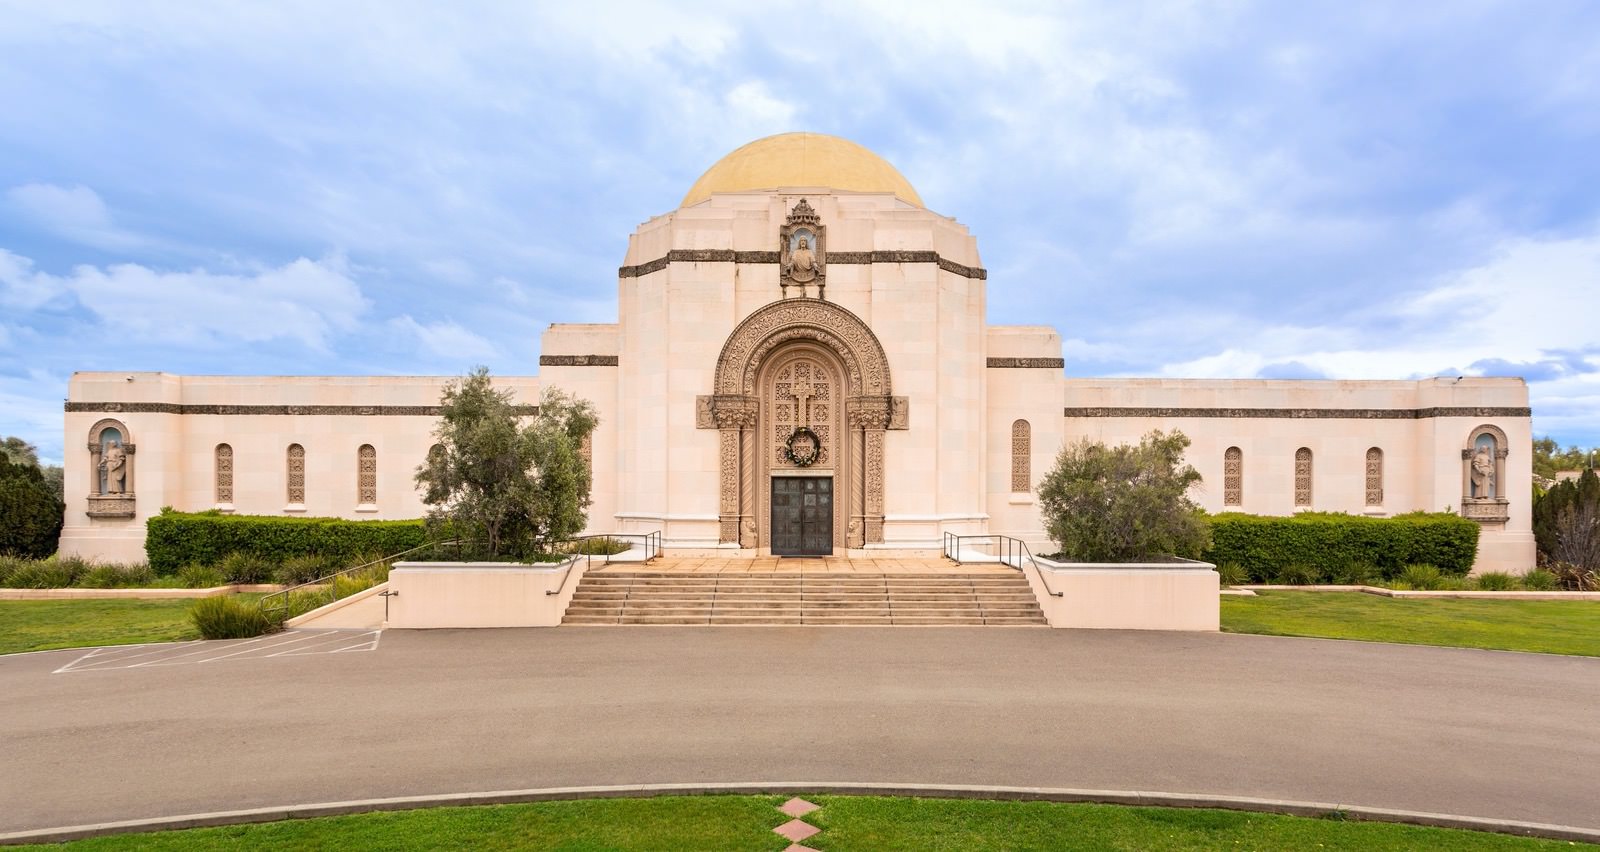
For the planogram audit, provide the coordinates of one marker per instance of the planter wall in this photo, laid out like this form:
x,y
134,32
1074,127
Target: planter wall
x,y
1179,595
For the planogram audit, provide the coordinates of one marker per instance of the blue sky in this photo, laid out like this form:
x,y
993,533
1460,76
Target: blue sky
x,y
1230,189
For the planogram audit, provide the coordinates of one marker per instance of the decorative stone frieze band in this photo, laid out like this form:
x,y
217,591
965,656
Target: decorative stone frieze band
x,y
577,360
1304,413
326,410
834,257
1029,363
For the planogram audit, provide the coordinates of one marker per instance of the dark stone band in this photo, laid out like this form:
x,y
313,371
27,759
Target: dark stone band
x,y
577,360
1304,413
316,410
847,258
1040,363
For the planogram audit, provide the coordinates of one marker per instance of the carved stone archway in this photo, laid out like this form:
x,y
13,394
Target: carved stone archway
x,y
839,339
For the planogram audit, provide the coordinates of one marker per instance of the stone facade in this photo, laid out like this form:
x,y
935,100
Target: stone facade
x,y
731,338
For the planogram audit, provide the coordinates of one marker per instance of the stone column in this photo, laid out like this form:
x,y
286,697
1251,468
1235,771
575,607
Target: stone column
x,y
870,415
735,418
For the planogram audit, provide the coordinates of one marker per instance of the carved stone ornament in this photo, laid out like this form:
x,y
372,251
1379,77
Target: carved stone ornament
x,y
802,253
111,505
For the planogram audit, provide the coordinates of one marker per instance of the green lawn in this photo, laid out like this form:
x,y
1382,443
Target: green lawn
x,y
1552,627
42,625
862,823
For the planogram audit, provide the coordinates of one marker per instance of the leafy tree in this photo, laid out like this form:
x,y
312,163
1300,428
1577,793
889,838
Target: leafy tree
x,y
23,453
30,513
515,486
1124,503
1549,458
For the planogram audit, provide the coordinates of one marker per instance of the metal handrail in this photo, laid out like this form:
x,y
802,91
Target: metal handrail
x,y
1013,548
651,542
588,561
282,595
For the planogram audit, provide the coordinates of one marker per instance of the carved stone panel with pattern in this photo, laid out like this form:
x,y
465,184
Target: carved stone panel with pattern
x,y
1233,477
802,394
224,474
1302,477
367,475
296,464
1021,456
1374,477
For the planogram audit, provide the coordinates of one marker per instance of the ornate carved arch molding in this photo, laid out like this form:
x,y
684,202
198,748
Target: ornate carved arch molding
x,y
734,409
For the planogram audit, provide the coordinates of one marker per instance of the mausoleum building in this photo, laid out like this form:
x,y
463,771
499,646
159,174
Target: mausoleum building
x,y
801,364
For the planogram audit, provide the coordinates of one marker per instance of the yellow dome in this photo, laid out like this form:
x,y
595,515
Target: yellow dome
x,y
802,159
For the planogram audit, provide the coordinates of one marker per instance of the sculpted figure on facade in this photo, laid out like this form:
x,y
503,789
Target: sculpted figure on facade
x,y
802,256
114,462
1483,472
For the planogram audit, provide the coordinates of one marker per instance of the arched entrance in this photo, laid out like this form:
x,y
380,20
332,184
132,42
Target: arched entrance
x,y
800,362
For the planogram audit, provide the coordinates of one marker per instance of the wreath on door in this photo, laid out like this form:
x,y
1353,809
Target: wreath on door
x,y
803,447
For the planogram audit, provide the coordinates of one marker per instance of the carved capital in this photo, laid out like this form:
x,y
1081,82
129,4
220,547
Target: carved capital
x,y
734,411
869,412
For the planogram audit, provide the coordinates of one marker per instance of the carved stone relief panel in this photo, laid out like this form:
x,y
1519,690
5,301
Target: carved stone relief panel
x,y
802,394
224,474
295,464
1021,456
1233,477
1302,477
367,475
1374,477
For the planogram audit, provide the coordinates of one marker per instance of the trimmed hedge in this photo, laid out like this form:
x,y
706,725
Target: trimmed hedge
x,y
1265,546
174,539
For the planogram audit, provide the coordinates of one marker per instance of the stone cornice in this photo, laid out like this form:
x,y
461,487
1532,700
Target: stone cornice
x,y
577,360
313,410
1305,413
834,257
1027,363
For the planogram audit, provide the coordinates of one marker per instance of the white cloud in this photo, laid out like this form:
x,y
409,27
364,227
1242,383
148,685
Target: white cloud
x,y
447,339
76,212
303,300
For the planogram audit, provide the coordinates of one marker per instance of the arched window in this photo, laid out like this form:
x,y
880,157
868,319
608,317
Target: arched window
x,y
296,464
1374,477
224,475
367,475
1233,477
1302,478
1021,456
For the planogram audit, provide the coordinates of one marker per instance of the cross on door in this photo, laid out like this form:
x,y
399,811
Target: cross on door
x,y
803,392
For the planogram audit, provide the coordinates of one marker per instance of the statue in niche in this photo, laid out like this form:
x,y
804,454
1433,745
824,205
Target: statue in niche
x,y
802,263
114,462
1483,472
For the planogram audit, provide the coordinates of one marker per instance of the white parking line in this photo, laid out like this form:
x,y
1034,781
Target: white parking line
x,y
293,643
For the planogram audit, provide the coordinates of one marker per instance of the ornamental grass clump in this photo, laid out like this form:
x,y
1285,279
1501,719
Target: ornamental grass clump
x,y
201,577
246,568
114,576
56,572
1494,581
1299,574
1232,574
228,617
1539,580
1423,578
1124,503
303,569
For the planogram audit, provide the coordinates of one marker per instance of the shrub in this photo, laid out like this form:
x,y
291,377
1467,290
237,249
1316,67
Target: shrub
x,y
600,546
1123,503
1298,574
201,577
245,568
10,565
1233,574
53,573
1421,577
1495,581
112,576
303,569
1539,580
30,512
228,617
1357,574
174,539
1574,578
1268,544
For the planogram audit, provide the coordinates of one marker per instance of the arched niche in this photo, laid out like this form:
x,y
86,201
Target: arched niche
x,y
111,470
1483,475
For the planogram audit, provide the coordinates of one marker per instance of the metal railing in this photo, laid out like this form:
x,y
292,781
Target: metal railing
x,y
279,601
1007,551
650,542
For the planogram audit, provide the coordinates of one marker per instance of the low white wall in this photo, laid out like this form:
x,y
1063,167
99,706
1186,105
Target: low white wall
x,y
480,594
364,609
1144,596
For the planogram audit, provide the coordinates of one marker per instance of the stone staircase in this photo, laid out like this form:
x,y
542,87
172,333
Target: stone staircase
x,y
644,597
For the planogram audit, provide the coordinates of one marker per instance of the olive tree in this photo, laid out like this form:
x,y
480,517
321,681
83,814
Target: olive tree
x,y
1124,503
516,481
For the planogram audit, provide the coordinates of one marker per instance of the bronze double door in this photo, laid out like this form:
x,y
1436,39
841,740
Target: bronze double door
x,y
802,515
